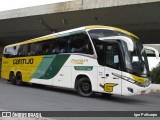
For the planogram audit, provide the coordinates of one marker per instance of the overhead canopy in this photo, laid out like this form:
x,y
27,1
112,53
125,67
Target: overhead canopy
x,y
140,17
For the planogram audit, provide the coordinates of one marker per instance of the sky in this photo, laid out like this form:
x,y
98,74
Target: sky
x,y
15,4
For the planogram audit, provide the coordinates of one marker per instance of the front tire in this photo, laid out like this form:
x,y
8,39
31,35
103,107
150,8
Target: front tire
x,y
19,81
84,87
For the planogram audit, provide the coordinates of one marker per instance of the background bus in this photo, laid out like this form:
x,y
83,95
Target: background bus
x,y
89,59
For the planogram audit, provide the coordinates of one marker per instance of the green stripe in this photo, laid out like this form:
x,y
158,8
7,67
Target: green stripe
x,y
50,66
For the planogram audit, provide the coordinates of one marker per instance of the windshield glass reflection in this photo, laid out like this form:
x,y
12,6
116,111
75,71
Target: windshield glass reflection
x,y
136,61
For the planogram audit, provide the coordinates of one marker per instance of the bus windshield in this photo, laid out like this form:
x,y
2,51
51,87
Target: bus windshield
x,y
136,61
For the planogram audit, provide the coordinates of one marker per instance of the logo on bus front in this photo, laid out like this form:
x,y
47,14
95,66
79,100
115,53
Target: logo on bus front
x,y
108,87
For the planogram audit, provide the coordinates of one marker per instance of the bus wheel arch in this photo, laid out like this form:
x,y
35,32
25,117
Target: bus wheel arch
x,y
12,78
83,85
18,80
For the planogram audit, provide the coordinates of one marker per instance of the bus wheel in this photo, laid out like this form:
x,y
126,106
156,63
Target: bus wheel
x,y
19,81
84,87
12,78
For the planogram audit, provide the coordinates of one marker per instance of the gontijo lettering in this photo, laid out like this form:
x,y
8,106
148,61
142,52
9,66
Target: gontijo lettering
x,y
23,61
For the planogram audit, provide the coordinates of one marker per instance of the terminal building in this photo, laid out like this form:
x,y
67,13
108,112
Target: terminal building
x,y
141,17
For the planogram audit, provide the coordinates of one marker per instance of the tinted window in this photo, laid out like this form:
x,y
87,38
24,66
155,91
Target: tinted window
x,y
76,43
23,50
112,55
62,44
11,51
99,47
80,43
40,48
32,49
105,50
45,47
53,48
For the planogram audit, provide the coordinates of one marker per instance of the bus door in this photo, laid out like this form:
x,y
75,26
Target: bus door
x,y
112,78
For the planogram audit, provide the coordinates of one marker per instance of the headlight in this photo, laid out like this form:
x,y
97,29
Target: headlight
x,y
141,84
144,84
128,79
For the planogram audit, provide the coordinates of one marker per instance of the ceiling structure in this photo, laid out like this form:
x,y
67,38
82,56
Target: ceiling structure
x,y
142,17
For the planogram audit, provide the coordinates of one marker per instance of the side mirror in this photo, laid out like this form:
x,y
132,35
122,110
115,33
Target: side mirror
x,y
129,42
154,50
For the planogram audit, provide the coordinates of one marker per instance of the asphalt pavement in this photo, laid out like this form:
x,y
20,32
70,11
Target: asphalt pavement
x,y
44,98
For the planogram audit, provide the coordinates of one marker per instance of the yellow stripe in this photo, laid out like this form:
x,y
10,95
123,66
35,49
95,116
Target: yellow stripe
x,y
112,28
139,79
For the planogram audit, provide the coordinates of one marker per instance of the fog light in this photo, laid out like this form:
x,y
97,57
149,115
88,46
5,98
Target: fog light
x,y
130,89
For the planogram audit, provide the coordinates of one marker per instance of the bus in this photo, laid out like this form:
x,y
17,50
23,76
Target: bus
x,y
89,59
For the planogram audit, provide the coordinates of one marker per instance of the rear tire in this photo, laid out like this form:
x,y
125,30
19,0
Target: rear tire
x,y
12,78
84,87
19,81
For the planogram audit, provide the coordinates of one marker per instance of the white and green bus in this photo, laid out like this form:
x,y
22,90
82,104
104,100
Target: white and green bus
x,y
89,59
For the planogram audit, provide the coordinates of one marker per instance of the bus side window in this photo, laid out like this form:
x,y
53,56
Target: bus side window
x,y
35,49
81,44
99,46
11,51
32,49
78,46
54,47
62,45
48,47
112,56
22,51
45,49
6,53
38,49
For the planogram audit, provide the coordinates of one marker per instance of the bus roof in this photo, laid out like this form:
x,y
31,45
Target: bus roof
x,y
111,28
59,34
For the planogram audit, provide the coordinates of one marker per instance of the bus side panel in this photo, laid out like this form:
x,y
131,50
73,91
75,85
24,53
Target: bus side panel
x,y
86,66
7,67
25,65
63,78
52,71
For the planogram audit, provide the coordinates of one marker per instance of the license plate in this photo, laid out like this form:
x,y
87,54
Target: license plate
x,y
143,92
